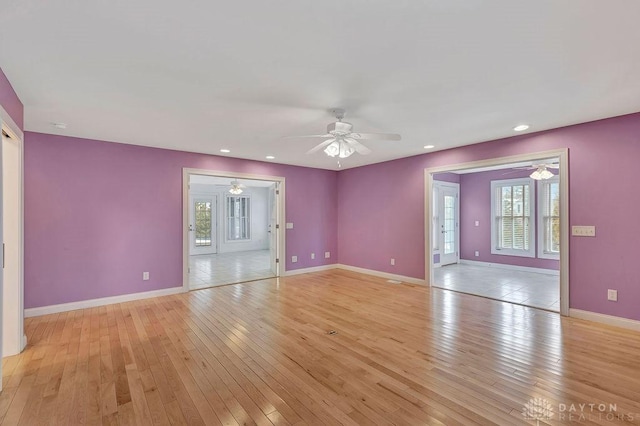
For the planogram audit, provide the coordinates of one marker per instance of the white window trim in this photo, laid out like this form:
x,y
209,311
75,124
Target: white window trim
x,y
532,216
540,218
226,219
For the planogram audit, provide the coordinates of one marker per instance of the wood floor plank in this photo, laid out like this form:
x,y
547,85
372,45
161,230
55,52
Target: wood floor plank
x,y
260,353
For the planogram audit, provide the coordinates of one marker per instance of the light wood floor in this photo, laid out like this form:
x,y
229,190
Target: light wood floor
x,y
260,353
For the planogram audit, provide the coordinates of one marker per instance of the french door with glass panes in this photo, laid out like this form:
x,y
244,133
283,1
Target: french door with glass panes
x,y
202,224
448,224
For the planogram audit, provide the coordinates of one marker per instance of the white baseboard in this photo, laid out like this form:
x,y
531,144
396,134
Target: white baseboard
x,y
309,270
605,319
511,267
382,274
92,303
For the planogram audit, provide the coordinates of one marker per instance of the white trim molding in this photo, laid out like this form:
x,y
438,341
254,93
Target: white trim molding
x,y
310,270
380,274
511,267
92,303
605,319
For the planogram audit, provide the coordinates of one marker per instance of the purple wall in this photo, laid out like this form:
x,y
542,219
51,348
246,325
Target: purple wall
x,y
447,177
98,214
475,204
381,211
10,101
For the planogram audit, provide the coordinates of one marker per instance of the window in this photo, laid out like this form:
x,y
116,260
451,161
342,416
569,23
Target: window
x,y
513,225
549,218
203,223
238,218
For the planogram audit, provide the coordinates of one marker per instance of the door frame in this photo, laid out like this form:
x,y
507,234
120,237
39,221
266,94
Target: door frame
x,y
214,222
456,187
280,199
14,250
562,155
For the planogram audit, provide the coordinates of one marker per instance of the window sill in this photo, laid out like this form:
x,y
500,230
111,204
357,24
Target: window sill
x,y
514,253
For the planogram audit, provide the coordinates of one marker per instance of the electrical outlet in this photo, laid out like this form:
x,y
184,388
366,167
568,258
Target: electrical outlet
x,y
289,225
393,261
327,254
294,259
477,253
145,276
612,295
313,255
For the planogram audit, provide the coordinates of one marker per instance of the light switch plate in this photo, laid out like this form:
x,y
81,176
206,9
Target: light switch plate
x,y
289,225
612,295
583,231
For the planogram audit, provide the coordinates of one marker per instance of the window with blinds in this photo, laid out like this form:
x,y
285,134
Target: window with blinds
x,y
513,225
549,218
238,212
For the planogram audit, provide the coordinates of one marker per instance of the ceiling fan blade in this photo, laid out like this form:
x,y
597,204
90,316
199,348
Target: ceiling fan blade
x,y
379,136
360,149
328,135
321,145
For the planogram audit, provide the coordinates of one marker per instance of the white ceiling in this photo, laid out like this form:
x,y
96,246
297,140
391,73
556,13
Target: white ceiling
x,y
201,75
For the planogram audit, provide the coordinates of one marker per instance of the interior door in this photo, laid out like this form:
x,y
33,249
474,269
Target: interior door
x,y
273,227
1,253
448,226
203,224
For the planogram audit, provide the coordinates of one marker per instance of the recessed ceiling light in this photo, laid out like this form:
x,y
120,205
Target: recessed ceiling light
x,y
225,150
270,157
521,127
59,125
429,146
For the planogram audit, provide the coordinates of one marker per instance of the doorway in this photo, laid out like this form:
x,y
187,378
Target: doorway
x,y
232,228
12,336
513,226
203,223
446,222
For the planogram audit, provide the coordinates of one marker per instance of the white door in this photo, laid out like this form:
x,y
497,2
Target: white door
x,y
1,253
448,224
202,224
273,227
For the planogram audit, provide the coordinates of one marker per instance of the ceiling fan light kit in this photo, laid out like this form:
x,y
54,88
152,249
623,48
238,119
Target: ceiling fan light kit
x,y
541,173
236,187
338,148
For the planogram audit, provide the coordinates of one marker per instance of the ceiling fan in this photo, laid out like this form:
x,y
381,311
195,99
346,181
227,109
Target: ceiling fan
x,y
540,171
235,187
342,142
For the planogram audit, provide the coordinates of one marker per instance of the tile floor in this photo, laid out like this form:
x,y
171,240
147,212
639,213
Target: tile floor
x,y
210,270
524,288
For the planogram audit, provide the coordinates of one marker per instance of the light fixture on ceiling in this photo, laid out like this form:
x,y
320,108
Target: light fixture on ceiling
x,y
541,173
225,150
270,157
339,148
61,126
236,187
429,146
521,127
